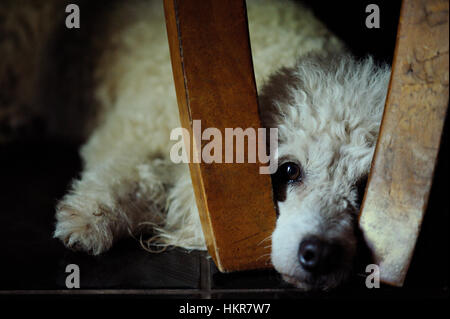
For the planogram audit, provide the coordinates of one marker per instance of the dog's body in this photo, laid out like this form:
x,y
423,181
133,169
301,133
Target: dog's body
x,y
327,110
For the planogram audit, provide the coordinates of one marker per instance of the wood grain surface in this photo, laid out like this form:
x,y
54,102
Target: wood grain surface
x,y
214,80
405,157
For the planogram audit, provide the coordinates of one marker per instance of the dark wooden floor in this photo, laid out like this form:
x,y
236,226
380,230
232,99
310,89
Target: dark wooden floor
x,y
35,175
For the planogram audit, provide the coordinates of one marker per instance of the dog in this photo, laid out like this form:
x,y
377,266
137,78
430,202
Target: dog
x,y
327,107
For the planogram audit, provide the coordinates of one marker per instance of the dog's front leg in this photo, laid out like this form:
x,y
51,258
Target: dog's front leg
x,y
111,200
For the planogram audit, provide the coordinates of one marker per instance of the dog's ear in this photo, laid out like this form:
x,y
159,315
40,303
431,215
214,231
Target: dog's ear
x,y
278,90
274,93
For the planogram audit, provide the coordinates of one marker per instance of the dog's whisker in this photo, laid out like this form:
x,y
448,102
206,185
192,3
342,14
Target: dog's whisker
x,y
265,239
263,256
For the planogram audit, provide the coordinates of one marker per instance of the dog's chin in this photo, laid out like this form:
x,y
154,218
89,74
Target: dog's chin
x,y
303,285
322,283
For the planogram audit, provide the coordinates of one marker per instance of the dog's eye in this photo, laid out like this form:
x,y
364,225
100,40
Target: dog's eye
x,y
286,173
290,171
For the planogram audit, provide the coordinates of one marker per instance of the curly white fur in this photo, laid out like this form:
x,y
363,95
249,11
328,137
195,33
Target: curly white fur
x,y
327,112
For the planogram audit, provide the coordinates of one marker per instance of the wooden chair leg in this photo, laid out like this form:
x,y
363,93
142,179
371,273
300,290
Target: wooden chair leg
x,y
408,144
214,80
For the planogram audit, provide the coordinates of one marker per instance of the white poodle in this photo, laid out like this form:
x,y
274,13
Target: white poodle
x,y
326,105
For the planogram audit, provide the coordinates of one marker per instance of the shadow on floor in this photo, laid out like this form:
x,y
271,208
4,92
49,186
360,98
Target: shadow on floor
x,y
35,175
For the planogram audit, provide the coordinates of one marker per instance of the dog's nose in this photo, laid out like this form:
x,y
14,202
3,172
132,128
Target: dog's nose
x,y
315,255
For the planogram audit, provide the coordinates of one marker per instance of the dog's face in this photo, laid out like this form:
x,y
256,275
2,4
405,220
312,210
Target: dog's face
x,y
327,111
318,188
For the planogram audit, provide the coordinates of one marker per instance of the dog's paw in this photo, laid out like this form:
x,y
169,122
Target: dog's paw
x,y
84,230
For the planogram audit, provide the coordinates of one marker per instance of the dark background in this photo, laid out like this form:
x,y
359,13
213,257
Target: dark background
x,y
36,167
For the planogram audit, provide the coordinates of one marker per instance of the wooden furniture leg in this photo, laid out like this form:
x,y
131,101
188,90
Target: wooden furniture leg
x,y
214,81
405,157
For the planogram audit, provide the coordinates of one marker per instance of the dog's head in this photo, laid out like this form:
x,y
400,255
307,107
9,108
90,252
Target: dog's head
x,y
327,110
